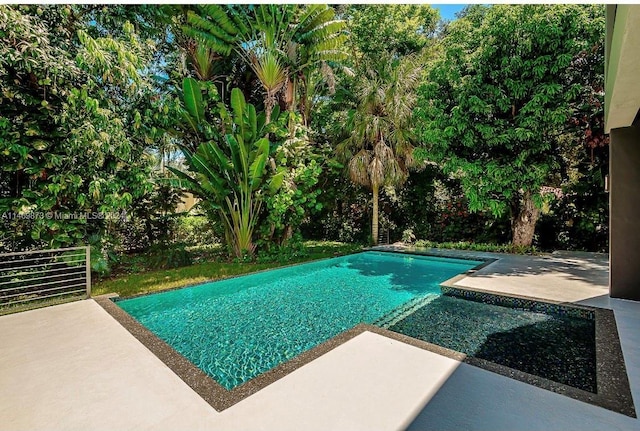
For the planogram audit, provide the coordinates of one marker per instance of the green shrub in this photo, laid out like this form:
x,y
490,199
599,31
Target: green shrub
x,y
195,230
162,257
102,254
472,246
293,250
408,237
99,265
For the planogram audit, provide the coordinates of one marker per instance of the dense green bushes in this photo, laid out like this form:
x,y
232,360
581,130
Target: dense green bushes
x,y
95,116
473,246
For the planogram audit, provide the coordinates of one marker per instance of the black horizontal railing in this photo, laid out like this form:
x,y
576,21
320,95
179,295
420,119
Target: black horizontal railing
x,y
37,275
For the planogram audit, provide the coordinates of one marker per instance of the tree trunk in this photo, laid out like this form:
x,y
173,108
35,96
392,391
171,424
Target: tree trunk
x,y
289,94
374,218
269,103
523,221
267,110
288,234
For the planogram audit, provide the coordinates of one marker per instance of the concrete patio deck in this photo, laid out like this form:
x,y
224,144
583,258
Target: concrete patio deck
x,y
73,366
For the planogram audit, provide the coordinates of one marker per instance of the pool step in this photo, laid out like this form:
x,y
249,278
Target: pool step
x,y
397,314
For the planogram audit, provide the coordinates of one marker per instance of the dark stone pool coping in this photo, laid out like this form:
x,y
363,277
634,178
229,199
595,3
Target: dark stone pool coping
x,y
614,392
521,303
211,391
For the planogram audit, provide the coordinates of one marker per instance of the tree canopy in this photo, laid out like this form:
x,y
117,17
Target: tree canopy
x,y
386,28
499,98
116,110
70,117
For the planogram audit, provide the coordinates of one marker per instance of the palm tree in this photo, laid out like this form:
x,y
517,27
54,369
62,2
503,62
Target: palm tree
x,y
380,146
315,46
271,73
203,60
282,44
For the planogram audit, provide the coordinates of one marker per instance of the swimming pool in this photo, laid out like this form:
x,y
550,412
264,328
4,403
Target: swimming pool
x,y
238,328
229,339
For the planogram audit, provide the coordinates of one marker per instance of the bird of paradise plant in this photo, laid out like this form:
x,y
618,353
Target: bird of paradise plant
x,y
229,176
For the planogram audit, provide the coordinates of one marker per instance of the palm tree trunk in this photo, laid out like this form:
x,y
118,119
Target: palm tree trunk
x,y
267,109
374,218
269,103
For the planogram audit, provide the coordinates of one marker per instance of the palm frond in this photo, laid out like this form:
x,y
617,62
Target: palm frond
x,y
218,15
210,24
359,168
239,19
395,174
329,76
314,23
383,152
203,58
270,71
208,39
309,18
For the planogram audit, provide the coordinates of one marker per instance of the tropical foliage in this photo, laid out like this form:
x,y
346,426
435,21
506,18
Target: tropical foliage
x,y
282,44
229,174
499,99
290,122
71,111
296,199
380,147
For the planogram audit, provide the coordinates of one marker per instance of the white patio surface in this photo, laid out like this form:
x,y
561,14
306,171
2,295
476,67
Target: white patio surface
x,y
73,367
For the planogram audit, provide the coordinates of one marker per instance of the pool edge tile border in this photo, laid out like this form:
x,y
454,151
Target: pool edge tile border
x,y
610,366
611,371
610,400
216,395
211,391
614,391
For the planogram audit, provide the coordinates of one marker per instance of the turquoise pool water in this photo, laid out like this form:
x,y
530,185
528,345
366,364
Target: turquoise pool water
x,y
238,328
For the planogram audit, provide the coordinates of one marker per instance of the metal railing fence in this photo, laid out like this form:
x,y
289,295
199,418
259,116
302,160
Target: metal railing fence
x,y
44,274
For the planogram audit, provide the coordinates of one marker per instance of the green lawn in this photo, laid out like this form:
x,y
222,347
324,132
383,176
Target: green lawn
x,y
154,281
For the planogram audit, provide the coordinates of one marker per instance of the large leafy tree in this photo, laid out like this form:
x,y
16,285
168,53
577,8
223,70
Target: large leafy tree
x,y
497,102
380,147
69,122
403,29
580,218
